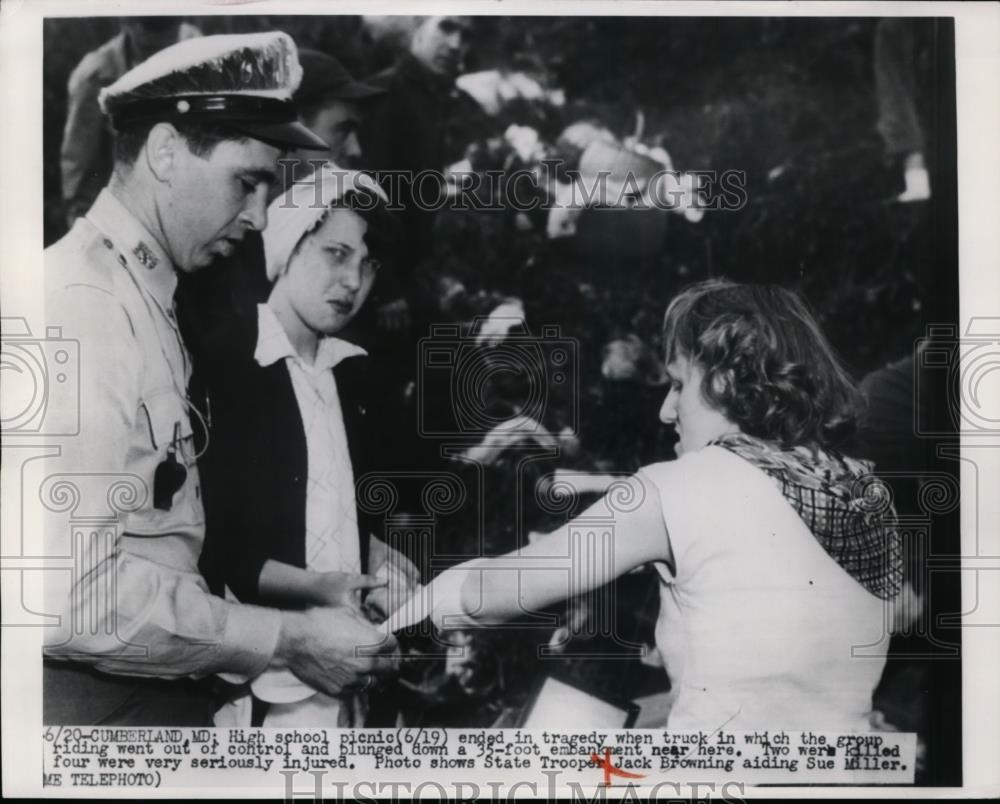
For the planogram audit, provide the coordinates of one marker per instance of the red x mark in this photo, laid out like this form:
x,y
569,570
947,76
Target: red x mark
x,y
612,770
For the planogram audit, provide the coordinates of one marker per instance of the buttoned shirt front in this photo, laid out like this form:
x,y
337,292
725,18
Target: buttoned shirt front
x,y
331,513
135,602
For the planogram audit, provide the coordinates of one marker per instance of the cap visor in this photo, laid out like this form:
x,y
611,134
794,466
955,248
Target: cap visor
x,y
287,135
355,90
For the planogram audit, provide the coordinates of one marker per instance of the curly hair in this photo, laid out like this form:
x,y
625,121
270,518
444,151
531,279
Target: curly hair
x,y
766,364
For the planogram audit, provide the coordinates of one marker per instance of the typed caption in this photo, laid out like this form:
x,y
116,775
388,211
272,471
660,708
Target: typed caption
x,y
89,757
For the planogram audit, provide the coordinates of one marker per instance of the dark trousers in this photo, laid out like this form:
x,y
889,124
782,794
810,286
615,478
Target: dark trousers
x,y
77,695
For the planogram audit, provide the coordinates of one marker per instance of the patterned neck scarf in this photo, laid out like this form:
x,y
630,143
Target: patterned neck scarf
x,y
843,504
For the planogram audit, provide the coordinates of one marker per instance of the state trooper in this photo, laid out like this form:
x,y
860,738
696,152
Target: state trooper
x,y
199,129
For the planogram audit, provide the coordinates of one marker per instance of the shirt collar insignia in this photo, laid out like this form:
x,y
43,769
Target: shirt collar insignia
x,y
147,258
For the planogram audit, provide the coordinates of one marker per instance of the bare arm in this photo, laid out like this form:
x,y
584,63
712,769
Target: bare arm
x,y
292,584
604,542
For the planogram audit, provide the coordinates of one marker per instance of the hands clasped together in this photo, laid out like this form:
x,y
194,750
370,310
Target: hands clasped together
x,y
335,645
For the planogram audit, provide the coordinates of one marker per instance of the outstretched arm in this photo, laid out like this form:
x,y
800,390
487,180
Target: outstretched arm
x,y
288,584
604,542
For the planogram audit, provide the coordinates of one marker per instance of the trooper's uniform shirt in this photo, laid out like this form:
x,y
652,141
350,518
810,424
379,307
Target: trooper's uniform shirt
x,y
134,603
110,286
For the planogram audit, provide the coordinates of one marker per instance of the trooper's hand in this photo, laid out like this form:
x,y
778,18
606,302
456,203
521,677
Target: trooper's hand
x,y
335,649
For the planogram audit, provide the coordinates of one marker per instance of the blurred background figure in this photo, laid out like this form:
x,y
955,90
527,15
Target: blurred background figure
x,y
440,45
421,126
896,56
87,144
331,102
414,128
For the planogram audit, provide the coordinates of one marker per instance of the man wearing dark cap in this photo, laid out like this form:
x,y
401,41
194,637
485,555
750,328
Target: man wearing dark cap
x,y
330,103
200,127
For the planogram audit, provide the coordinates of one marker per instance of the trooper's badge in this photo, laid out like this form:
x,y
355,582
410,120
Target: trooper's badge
x,y
145,255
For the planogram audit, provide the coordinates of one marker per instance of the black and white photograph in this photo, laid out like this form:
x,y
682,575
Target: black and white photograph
x,y
593,397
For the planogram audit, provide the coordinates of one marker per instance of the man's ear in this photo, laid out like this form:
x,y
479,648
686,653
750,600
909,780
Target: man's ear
x,y
163,146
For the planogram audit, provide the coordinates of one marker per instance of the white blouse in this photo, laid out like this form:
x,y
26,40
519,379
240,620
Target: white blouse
x,y
759,627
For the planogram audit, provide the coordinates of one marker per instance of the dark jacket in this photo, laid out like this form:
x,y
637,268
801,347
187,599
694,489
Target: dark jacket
x,y
422,122
209,302
254,469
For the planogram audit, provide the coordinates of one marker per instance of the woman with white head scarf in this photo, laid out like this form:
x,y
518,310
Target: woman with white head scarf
x,y
280,500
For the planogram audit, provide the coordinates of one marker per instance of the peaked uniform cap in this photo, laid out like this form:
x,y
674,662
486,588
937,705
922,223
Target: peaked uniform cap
x,y
245,82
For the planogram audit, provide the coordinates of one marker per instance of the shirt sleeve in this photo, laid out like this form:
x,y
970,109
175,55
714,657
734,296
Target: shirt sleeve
x,y
121,612
161,623
110,366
